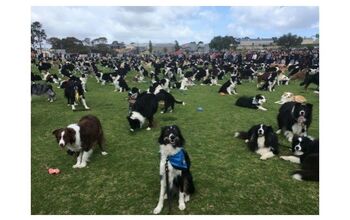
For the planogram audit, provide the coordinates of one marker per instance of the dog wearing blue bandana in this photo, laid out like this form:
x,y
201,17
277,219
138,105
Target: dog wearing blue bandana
x,y
175,175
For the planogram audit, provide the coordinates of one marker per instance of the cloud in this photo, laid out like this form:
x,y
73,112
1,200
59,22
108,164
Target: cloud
x,y
162,24
273,20
167,24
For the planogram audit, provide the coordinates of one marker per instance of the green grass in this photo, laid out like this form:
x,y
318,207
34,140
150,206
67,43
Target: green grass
x,y
229,179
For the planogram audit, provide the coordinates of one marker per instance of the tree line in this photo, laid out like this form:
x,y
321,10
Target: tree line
x,y
100,44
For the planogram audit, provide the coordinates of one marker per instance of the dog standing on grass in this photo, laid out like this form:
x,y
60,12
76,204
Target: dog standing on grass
x,y
80,138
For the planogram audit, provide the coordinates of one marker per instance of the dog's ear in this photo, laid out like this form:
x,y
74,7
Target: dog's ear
x,y
57,132
309,106
71,134
161,139
269,129
182,139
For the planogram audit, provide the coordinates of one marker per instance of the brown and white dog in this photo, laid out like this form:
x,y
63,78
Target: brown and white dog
x,y
290,97
81,137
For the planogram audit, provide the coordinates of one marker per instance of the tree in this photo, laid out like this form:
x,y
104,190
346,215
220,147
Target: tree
x,y
55,42
115,45
38,34
87,41
100,40
199,45
222,43
289,40
177,46
150,47
74,45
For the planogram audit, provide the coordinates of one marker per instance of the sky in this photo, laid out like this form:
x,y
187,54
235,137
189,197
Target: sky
x,y
167,24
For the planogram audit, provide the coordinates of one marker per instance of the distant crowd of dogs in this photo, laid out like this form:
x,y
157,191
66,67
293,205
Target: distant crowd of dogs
x,y
172,72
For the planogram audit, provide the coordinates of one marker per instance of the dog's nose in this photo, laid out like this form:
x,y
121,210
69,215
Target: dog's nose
x,y
302,113
172,137
61,145
298,148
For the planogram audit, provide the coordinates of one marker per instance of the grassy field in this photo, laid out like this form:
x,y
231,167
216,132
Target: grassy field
x,y
229,179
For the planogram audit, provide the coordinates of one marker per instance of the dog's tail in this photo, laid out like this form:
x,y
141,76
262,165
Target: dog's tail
x,y
180,102
305,175
242,135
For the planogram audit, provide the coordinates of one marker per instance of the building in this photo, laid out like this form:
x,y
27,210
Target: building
x,y
309,41
257,43
163,48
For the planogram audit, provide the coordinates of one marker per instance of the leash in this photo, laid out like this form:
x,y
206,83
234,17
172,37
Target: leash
x,y
167,184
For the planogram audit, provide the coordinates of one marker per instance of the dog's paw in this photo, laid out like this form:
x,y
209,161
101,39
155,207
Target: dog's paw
x,y
284,157
104,153
278,131
87,107
82,165
182,206
263,157
157,210
148,129
297,176
187,198
76,166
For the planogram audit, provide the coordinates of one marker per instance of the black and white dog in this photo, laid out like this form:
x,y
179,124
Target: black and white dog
x,y
174,168
168,99
42,89
306,153
73,91
120,84
145,107
83,78
260,139
294,118
254,102
312,76
229,86
270,83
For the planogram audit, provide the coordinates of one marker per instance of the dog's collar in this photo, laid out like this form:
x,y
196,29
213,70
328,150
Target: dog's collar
x,y
178,160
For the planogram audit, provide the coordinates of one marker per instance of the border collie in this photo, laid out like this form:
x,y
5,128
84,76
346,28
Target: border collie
x,y
306,153
312,76
132,96
165,84
145,107
35,77
42,89
73,91
229,86
174,168
270,82
81,137
290,97
294,119
260,139
120,84
169,100
83,78
254,102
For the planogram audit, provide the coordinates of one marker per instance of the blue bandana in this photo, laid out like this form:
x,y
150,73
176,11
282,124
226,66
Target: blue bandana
x,y
178,160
